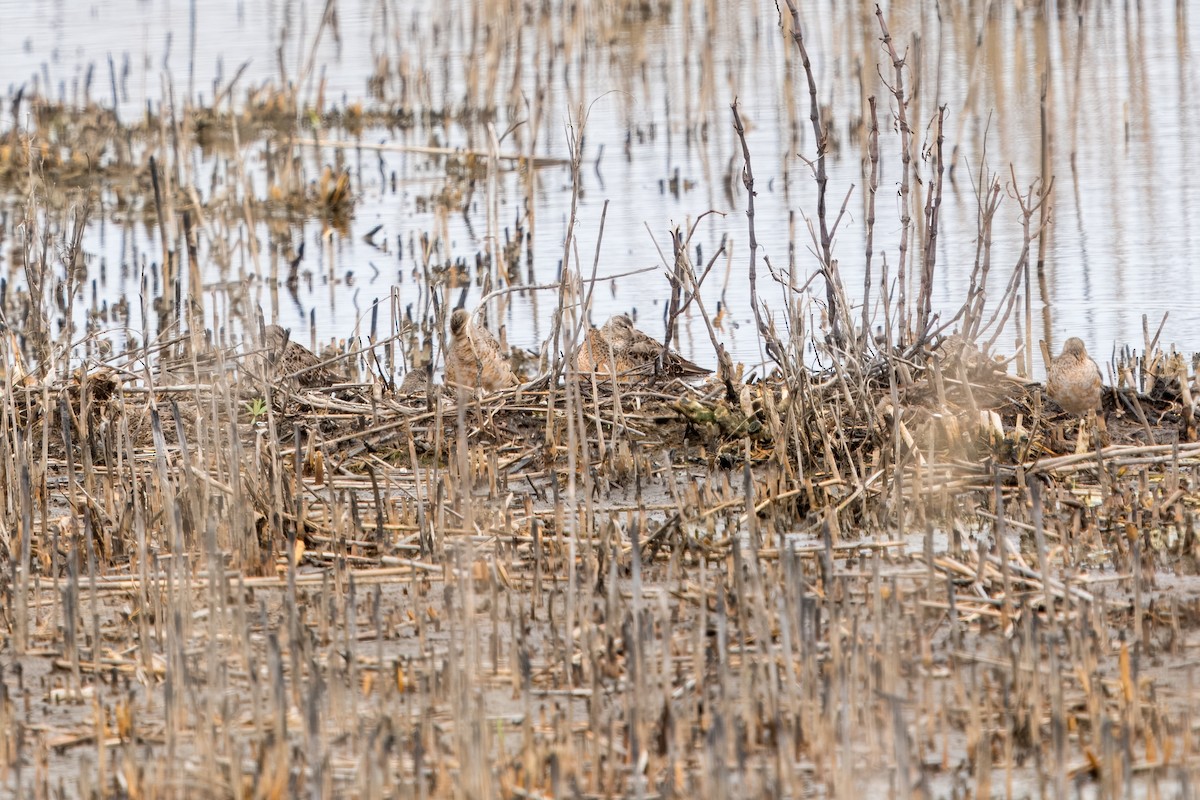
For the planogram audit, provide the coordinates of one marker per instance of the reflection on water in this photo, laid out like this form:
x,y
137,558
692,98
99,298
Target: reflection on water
x,y
656,79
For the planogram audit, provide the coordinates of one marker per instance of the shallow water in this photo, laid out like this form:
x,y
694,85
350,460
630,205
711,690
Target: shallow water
x,y
1120,127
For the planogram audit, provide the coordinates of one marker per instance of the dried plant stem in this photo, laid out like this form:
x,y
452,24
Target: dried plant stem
x,y
820,176
872,189
932,217
748,182
897,87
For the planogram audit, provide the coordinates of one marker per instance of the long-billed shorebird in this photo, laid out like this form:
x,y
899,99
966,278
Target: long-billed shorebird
x,y
416,380
621,348
288,359
474,358
1073,380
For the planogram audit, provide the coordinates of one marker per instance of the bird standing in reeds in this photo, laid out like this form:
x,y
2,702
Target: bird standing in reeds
x,y
1073,380
619,346
474,358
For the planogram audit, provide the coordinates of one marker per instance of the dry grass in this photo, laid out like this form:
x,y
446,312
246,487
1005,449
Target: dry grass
x,y
882,567
220,584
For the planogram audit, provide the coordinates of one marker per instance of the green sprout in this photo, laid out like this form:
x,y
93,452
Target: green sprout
x,y
257,408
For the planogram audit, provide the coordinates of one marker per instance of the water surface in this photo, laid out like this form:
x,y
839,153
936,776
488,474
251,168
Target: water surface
x,y
656,83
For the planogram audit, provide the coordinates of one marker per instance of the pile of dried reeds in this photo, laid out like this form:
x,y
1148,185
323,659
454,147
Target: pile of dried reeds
x,y
883,567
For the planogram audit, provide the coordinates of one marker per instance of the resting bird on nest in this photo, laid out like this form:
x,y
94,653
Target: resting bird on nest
x,y
287,359
618,344
416,381
473,358
1073,380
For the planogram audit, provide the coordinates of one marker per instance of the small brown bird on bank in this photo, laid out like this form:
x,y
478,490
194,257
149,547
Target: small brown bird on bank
x,y
288,360
474,358
1073,380
621,346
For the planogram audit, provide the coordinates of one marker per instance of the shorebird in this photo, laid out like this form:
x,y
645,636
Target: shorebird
x,y
620,346
473,358
416,381
596,354
1073,380
287,359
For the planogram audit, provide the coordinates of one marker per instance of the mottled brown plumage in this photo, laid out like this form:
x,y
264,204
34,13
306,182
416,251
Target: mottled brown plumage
x,y
474,359
288,360
596,354
1073,380
416,381
618,344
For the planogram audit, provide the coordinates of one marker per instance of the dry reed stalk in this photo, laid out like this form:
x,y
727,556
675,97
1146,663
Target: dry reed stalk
x,y
752,269
820,175
929,245
897,89
872,190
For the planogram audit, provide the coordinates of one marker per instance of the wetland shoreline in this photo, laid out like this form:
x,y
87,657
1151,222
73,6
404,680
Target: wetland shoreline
x,y
866,555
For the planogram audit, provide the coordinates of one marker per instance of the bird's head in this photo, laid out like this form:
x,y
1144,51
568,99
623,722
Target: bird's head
x,y
621,323
274,337
1074,347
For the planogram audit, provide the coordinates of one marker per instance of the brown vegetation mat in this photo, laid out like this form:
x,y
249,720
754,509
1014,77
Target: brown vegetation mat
x,y
237,588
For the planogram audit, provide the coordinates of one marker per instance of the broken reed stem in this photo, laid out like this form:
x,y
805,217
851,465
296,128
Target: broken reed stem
x,y
988,197
1029,203
560,348
820,141
897,88
764,330
586,305
1047,167
675,301
872,189
933,206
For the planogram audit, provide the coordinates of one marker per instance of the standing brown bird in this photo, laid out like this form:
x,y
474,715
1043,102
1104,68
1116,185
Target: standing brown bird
x,y
286,359
621,346
1073,380
473,358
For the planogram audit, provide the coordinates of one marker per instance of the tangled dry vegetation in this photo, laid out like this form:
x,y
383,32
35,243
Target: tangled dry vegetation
x,y
894,573
889,568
